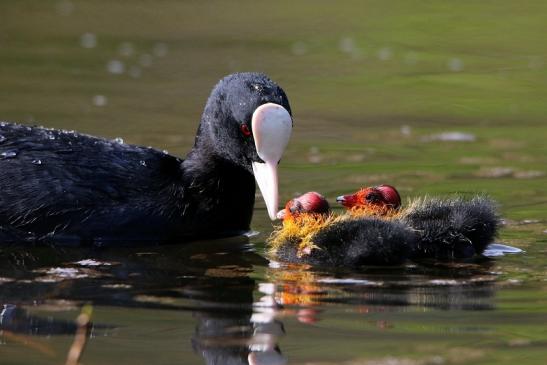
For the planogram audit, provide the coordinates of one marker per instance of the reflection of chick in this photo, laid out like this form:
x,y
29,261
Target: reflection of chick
x,y
319,237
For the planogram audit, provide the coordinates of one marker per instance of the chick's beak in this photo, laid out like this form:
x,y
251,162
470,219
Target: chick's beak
x,y
272,126
347,201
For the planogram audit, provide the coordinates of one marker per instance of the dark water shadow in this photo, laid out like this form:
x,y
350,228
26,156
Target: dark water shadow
x,y
212,280
239,317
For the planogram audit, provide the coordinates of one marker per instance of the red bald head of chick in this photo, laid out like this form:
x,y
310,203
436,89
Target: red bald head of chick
x,y
377,200
309,203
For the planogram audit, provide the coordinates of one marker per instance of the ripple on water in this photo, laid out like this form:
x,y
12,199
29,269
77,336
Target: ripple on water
x,y
8,154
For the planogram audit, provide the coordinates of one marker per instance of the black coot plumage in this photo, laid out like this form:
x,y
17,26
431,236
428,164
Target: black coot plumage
x,y
59,186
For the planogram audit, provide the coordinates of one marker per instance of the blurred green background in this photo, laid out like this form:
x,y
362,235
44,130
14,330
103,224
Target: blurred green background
x,y
434,97
371,83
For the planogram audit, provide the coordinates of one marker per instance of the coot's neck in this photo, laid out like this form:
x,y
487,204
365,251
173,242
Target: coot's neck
x,y
223,191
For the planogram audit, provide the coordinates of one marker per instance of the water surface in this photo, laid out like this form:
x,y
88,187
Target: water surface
x,y
432,98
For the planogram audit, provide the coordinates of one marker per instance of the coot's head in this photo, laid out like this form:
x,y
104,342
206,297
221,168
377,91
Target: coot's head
x,y
381,196
311,202
248,122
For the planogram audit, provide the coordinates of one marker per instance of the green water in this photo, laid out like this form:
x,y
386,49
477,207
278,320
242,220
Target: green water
x,y
372,85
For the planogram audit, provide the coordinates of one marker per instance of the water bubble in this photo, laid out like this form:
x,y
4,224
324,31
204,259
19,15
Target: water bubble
x,y
346,45
126,49
135,72
64,7
8,154
2,138
145,60
410,58
406,130
450,137
88,40
535,63
455,65
160,50
385,54
299,48
100,100
37,162
143,163
118,140
115,67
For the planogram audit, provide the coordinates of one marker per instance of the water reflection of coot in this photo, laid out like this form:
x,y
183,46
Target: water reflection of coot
x,y
209,279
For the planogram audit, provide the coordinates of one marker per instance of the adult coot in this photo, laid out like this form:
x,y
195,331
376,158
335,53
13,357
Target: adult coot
x,y
65,187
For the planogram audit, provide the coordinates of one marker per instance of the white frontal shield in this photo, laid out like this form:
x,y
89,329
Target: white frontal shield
x,y
272,126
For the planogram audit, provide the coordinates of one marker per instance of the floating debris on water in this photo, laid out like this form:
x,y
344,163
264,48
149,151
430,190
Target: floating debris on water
x,y
36,162
160,50
118,140
88,40
64,7
531,174
529,221
346,281
91,262
535,63
455,65
145,60
115,67
143,163
100,100
116,286
314,155
2,138
251,234
347,45
8,154
406,130
299,48
445,282
385,54
450,137
495,172
410,58
135,72
56,274
126,49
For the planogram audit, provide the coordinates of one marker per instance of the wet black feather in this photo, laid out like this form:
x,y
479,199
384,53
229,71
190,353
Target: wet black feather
x,y
59,186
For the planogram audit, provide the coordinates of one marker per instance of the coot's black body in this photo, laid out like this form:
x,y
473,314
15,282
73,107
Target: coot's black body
x,y
59,186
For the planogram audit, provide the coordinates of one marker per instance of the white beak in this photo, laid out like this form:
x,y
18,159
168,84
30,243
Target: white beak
x,y
272,126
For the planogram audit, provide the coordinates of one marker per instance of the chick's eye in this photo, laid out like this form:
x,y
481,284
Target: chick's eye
x,y
371,197
245,130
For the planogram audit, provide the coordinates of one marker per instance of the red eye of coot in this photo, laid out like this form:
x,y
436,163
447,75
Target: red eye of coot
x,y
245,130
